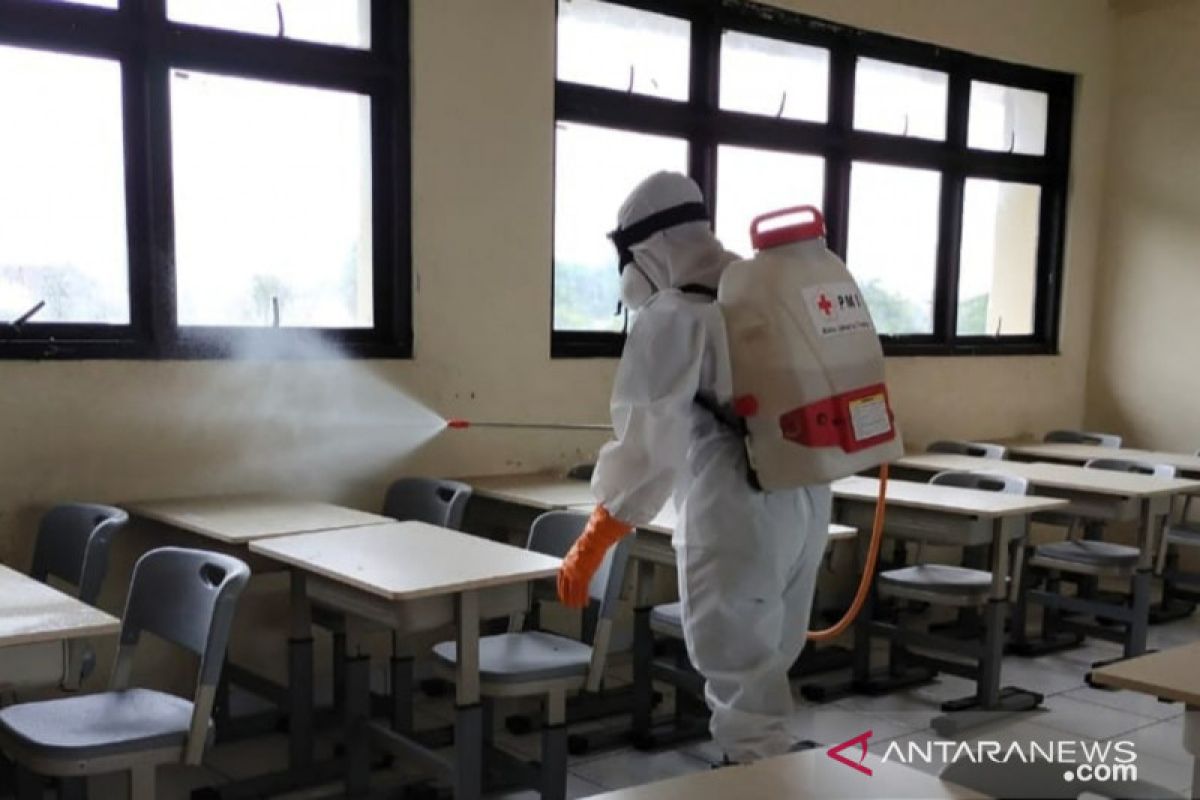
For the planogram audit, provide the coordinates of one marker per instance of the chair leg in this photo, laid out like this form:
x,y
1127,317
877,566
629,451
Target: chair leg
x,y
141,783
643,686
29,784
72,789
554,748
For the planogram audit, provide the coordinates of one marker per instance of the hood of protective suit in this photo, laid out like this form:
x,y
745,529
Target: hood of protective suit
x,y
677,256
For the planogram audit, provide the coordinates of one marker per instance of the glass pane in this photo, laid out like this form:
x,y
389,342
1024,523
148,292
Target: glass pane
x,y
595,170
753,182
272,203
893,241
899,99
62,189
769,76
339,22
997,281
616,47
1007,119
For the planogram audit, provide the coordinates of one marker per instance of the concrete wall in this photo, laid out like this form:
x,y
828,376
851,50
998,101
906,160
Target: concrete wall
x,y
1144,380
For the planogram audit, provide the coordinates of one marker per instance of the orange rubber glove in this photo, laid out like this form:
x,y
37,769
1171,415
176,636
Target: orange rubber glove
x,y
575,574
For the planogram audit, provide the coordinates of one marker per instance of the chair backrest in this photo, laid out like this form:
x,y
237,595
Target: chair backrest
x,y
431,500
1083,437
1132,466
73,544
188,598
984,481
581,472
977,449
554,532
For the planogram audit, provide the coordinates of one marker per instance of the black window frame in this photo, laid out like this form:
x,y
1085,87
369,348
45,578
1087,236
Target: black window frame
x,y
148,46
704,125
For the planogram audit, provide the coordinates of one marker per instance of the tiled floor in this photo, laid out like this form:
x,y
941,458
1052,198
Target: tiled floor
x,y
1072,710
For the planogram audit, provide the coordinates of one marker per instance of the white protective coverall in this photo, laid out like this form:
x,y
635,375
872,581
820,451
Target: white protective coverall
x,y
747,560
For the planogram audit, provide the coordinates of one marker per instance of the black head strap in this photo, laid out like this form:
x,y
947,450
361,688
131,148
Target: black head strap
x,y
643,229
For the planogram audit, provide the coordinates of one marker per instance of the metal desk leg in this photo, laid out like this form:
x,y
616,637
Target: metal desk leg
x,y
300,677
468,717
357,705
1191,743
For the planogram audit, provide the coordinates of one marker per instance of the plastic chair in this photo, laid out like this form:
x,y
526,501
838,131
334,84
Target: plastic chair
x,y
438,502
968,589
1083,437
537,663
977,449
1087,560
1180,533
186,597
72,546
944,584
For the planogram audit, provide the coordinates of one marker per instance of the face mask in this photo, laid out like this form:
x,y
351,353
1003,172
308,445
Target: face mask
x,y
636,288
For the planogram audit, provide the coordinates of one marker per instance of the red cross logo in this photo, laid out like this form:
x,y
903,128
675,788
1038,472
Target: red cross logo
x,y
824,304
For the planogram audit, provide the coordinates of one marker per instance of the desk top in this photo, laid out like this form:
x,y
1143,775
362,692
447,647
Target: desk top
x,y
543,490
808,774
1081,453
1167,673
1055,476
666,521
32,612
237,519
947,499
407,560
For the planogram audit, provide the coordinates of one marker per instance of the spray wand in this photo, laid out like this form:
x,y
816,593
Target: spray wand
x,y
463,424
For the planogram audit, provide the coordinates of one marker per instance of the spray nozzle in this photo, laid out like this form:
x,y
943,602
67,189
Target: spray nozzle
x,y
458,424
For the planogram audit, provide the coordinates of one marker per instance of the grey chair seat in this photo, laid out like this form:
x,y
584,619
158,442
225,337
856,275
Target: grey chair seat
x,y
525,656
668,619
1184,534
1092,553
939,578
95,725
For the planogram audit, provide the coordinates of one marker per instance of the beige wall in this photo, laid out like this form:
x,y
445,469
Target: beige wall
x,y
482,189
1144,381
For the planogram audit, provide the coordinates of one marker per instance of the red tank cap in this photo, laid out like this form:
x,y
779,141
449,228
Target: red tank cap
x,y
745,406
811,227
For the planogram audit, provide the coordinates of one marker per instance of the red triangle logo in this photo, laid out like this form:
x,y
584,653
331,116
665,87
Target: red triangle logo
x,y
861,740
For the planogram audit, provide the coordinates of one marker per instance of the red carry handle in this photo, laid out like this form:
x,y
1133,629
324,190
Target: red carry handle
x,y
787,234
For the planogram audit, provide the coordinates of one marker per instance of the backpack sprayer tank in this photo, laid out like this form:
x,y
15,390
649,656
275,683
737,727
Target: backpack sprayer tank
x,y
808,369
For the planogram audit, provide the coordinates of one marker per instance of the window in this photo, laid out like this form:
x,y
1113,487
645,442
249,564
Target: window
x,y
198,178
892,251
63,167
998,265
942,175
591,189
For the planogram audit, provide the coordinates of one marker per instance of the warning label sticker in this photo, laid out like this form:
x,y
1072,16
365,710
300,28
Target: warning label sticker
x,y
837,308
869,417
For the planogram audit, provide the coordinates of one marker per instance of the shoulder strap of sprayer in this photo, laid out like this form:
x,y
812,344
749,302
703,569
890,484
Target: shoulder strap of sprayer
x,y
722,414
725,416
700,289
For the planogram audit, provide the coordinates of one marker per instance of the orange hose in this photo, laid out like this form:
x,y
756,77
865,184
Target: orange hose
x,y
864,583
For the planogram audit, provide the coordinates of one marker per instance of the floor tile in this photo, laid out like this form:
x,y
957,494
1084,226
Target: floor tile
x,y
633,768
1075,716
1134,702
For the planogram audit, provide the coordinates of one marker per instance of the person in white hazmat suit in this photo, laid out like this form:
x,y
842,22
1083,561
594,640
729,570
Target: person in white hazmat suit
x,y
747,560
